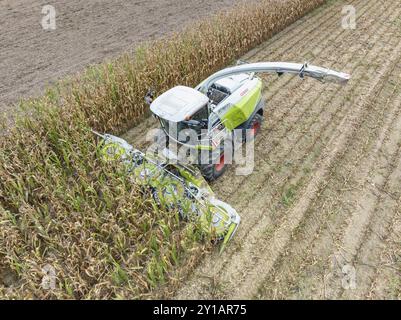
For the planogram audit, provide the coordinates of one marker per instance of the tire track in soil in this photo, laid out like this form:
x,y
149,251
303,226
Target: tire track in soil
x,y
369,210
285,155
304,52
293,271
310,235
292,53
370,226
383,274
386,283
355,225
282,236
287,40
374,242
295,115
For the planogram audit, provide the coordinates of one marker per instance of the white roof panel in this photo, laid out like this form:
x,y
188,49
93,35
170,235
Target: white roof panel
x,y
178,103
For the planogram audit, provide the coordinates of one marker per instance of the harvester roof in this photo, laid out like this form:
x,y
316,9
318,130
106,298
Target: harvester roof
x,y
178,103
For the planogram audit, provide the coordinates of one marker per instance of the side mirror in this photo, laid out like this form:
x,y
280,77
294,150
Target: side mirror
x,y
149,97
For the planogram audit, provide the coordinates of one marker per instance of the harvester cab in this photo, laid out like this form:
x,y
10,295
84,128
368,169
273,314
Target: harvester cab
x,y
228,102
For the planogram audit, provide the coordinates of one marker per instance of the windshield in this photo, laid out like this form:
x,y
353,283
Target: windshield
x,y
174,128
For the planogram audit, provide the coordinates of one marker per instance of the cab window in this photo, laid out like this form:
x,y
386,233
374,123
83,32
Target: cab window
x,y
201,115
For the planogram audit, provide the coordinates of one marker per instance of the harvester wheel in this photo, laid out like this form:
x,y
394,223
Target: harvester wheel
x,y
254,127
213,171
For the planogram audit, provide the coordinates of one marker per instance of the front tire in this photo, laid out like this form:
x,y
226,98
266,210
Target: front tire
x,y
253,128
213,171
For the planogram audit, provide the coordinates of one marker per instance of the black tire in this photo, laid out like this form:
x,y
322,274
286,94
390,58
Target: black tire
x,y
212,171
253,128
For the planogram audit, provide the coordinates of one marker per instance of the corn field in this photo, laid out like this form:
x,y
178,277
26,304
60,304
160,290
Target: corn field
x,y
62,209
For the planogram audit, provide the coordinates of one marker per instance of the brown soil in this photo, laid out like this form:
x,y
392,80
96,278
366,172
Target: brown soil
x,y
88,31
326,189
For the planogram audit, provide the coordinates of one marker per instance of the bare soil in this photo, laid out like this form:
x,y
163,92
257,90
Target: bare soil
x,y
323,203
87,32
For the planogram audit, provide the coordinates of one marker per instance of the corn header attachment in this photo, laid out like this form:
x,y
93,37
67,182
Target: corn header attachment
x,y
174,187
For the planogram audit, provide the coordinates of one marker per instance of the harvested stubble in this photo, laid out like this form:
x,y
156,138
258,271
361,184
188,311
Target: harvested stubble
x,y
61,208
